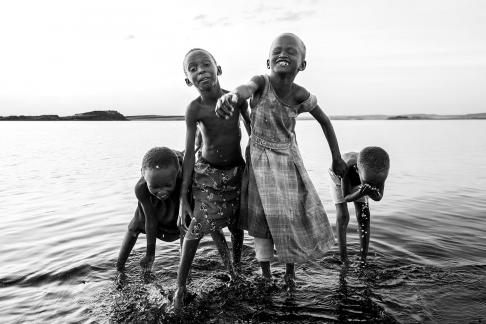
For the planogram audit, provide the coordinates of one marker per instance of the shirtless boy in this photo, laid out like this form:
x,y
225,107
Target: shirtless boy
x,y
364,177
216,177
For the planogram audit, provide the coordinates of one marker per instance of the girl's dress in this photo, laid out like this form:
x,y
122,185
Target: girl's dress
x,y
279,200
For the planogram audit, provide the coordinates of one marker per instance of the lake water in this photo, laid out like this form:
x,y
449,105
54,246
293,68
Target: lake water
x,y
66,197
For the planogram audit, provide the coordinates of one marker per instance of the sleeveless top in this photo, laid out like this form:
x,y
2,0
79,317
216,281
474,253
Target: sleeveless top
x,y
280,199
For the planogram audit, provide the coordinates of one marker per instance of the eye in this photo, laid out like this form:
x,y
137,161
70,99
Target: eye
x,y
292,51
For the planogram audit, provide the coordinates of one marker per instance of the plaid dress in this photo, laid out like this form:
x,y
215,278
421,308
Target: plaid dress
x,y
279,200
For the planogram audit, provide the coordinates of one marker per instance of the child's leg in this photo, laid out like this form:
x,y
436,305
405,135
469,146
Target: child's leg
x,y
342,221
237,236
363,216
289,276
264,254
189,248
222,245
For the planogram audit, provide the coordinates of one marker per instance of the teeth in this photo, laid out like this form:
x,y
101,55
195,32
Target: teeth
x,y
283,63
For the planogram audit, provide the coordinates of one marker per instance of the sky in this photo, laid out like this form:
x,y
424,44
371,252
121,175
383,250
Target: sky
x,y
363,57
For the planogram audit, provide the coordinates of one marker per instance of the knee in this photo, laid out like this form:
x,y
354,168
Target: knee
x,y
133,231
263,249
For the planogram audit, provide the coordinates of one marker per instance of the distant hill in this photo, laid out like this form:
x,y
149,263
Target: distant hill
x,y
437,117
115,115
155,117
89,116
404,117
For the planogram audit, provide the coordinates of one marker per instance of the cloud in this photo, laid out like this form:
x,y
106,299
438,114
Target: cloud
x,y
208,21
294,16
267,14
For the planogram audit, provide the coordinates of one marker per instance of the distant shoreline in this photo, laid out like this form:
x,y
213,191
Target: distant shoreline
x,y
112,115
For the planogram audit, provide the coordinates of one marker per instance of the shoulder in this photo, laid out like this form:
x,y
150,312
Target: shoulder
x,y
193,106
193,109
350,158
259,81
300,93
141,190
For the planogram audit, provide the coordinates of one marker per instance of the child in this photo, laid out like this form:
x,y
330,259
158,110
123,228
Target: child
x,y
156,215
284,209
216,176
365,177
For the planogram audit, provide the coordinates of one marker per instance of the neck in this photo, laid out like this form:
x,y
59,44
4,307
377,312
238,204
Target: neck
x,y
212,94
282,81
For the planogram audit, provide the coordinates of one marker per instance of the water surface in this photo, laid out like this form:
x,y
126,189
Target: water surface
x,y
66,195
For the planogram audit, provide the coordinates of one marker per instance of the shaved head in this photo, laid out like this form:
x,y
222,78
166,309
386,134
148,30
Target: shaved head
x,y
297,39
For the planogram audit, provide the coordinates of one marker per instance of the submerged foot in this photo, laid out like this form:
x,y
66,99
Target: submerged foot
x,y
289,283
147,277
178,300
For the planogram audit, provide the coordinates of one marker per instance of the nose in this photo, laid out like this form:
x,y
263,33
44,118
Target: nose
x,y
201,69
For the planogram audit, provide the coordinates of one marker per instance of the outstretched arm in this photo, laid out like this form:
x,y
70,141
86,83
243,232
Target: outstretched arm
x,y
338,165
187,168
226,103
245,115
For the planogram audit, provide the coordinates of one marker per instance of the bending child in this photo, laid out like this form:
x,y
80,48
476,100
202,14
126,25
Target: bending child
x,y
365,177
284,209
157,211
216,176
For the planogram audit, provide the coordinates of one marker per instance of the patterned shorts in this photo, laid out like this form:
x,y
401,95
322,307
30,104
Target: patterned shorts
x,y
216,198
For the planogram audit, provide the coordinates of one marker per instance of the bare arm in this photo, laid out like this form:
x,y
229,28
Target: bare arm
x,y
338,165
245,115
198,140
225,105
187,167
143,196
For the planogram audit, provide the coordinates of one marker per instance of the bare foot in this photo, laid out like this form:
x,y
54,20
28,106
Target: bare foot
x,y
120,280
289,282
178,300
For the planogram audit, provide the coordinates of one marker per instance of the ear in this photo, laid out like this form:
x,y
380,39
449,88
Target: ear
x,y
219,71
303,65
188,82
268,64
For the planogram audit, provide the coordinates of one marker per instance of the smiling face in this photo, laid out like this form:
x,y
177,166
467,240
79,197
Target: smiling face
x,y
287,54
201,70
161,182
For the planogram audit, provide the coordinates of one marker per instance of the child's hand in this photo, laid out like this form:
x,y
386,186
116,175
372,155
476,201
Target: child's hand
x,y
339,167
225,105
364,189
181,220
146,263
